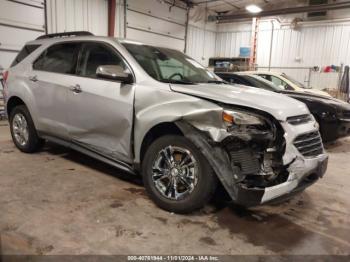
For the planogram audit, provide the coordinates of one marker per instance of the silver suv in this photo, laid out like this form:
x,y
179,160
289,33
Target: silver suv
x,y
156,111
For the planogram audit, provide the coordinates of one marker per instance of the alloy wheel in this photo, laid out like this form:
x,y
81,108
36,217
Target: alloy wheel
x,y
20,129
175,172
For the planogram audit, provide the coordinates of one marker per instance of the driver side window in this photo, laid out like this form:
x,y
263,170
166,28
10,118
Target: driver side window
x,y
95,55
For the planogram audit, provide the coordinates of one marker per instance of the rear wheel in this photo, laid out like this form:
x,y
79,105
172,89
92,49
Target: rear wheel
x,y
177,176
23,131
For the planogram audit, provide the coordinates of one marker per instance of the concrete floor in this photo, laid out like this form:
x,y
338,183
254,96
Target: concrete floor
x,y
61,202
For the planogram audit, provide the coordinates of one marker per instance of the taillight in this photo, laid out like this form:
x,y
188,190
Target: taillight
x,y
5,75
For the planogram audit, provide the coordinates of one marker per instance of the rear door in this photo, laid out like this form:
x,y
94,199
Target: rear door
x,y
51,78
100,111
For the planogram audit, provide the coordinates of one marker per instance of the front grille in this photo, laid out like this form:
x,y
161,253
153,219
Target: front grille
x,y
309,144
298,120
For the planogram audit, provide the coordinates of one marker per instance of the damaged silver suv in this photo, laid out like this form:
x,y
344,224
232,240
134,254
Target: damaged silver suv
x,y
157,112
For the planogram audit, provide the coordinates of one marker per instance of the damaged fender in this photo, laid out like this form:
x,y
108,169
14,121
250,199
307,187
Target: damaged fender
x,y
216,156
292,174
254,165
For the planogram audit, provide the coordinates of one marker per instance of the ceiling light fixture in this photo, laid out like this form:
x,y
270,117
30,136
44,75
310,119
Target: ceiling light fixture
x,y
253,9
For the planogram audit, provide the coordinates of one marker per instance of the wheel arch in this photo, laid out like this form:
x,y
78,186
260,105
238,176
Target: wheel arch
x,y
157,131
16,100
12,102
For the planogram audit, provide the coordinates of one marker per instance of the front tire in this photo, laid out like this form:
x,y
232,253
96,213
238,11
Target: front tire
x,y
177,176
23,132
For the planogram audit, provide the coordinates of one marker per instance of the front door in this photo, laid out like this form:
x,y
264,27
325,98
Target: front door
x,y
100,111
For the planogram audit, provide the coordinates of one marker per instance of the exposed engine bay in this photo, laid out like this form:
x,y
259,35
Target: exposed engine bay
x,y
249,158
255,153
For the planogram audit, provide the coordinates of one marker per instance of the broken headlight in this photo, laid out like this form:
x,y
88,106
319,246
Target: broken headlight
x,y
239,118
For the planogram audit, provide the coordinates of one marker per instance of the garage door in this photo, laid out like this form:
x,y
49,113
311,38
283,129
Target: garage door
x,y
20,21
155,22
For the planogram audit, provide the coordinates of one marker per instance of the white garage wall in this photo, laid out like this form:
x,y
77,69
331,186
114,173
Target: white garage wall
x,y
150,21
154,22
78,15
230,37
312,44
201,36
20,22
228,43
200,44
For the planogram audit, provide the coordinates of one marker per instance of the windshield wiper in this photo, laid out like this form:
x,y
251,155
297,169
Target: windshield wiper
x,y
172,81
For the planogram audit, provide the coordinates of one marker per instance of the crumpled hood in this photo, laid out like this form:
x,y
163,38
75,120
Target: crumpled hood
x,y
278,105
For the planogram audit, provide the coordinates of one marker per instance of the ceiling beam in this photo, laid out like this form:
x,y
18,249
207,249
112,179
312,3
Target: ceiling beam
x,y
207,2
229,3
284,11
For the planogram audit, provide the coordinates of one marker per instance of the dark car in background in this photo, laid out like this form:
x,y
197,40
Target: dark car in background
x,y
333,115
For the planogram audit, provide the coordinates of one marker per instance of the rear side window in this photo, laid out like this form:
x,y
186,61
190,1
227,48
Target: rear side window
x,y
26,51
60,58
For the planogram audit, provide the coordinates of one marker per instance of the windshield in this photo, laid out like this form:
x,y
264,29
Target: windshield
x,y
295,81
170,66
260,82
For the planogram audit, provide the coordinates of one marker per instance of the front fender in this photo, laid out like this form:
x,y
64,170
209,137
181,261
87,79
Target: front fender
x,y
216,156
159,106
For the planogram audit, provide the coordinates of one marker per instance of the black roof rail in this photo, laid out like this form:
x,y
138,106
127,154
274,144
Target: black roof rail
x,y
76,33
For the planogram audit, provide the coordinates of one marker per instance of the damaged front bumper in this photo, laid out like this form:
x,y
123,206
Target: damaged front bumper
x,y
298,169
296,182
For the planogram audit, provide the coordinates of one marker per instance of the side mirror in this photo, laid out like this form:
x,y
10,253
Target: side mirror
x,y
114,72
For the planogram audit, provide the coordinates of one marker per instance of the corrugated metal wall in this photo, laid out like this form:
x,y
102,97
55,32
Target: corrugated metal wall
x,y
286,52
228,43
313,44
68,15
200,44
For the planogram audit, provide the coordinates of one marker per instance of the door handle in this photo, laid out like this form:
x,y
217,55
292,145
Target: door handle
x,y
33,78
76,89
